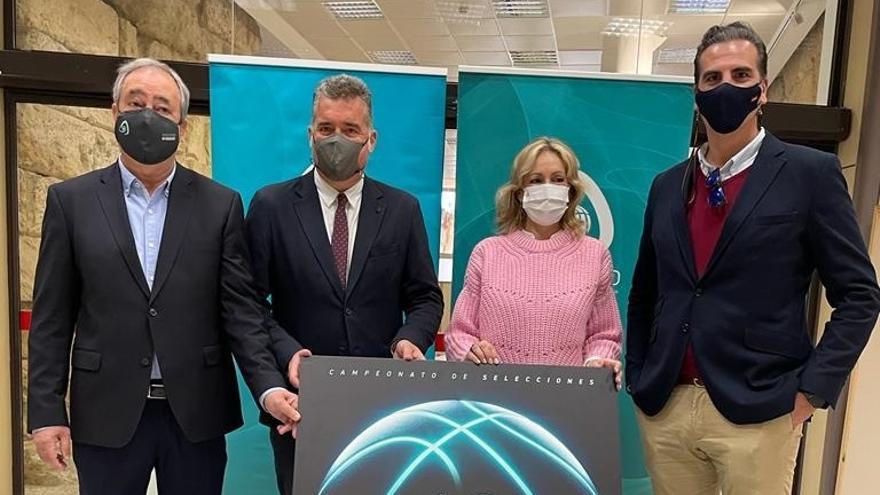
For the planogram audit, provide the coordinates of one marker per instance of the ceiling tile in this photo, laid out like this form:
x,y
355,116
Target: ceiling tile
x,y
569,26
528,43
585,41
580,57
367,27
438,57
526,26
407,9
578,8
480,43
738,7
486,58
484,27
433,43
338,48
378,43
420,27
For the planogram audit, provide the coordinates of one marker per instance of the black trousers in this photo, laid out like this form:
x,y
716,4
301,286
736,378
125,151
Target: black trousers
x,y
182,467
284,448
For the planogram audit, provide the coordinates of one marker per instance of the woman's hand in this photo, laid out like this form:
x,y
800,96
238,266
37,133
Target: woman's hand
x,y
483,353
612,364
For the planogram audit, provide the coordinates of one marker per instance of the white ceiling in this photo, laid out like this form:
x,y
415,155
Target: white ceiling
x,y
467,32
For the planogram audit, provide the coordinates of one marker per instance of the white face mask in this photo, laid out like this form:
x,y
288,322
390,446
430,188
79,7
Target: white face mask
x,y
545,203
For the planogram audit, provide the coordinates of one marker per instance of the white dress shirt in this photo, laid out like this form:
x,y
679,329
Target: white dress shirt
x,y
737,163
327,196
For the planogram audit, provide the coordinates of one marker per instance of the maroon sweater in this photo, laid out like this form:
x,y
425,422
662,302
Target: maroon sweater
x,y
705,225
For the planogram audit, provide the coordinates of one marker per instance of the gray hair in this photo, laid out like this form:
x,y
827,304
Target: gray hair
x,y
344,87
139,63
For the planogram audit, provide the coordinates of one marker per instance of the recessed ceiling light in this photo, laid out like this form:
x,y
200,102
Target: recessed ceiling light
x,y
396,57
698,6
356,9
631,26
534,57
676,55
521,8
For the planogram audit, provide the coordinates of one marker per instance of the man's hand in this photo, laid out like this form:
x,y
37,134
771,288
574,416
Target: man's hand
x,y
483,353
293,366
283,405
407,351
612,364
803,410
53,446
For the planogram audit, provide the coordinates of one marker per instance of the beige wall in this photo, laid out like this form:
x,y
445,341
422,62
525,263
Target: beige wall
x,y
798,81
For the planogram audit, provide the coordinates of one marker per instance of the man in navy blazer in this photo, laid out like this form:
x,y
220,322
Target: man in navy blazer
x,y
720,361
341,260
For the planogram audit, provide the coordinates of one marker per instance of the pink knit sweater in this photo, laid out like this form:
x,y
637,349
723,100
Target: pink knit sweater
x,y
537,302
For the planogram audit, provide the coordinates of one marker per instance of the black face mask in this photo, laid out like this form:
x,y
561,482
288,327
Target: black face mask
x,y
727,106
146,136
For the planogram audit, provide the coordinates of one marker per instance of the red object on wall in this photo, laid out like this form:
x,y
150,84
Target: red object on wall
x,y
439,343
24,320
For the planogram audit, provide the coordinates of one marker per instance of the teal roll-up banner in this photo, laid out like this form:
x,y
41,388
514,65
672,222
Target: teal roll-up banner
x,y
623,129
260,109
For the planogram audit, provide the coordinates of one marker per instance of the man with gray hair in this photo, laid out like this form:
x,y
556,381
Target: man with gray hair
x,y
341,260
142,296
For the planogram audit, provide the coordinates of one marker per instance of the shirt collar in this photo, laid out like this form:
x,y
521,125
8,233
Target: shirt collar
x,y
328,193
129,179
738,162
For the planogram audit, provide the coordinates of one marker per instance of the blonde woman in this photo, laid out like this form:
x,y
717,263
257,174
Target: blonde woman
x,y
540,292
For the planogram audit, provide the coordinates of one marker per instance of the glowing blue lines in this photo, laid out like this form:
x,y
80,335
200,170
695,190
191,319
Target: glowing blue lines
x,y
387,433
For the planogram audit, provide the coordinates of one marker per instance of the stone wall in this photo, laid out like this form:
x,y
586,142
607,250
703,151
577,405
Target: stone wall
x,y
59,142
798,82
167,29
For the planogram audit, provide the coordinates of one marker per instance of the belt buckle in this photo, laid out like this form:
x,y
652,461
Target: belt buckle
x,y
156,391
699,383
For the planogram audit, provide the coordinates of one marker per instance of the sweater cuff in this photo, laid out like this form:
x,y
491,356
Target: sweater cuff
x,y
606,349
459,345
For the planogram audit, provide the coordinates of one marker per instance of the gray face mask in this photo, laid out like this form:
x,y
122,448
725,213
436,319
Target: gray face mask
x,y
337,157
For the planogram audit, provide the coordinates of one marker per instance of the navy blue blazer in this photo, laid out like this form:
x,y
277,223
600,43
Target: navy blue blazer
x,y
746,316
391,274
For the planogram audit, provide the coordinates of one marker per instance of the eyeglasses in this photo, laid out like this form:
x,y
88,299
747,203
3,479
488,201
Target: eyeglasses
x,y
716,192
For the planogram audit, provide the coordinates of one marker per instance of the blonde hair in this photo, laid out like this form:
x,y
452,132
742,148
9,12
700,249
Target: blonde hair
x,y
509,212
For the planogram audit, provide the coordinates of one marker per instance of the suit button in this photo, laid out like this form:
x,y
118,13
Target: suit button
x,y
343,349
145,362
153,312
698,292
685,327
347,311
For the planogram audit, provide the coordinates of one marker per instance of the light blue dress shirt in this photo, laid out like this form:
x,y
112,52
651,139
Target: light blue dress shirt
x,y
146,215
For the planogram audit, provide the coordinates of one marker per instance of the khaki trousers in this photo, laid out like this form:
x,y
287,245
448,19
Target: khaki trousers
x,y
691,449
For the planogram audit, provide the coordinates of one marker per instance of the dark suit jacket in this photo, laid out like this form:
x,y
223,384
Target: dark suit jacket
x,y
90,292
746,317
391,274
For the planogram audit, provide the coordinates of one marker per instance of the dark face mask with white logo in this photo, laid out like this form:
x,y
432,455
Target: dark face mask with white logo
x,y
727,106
337,157
146,136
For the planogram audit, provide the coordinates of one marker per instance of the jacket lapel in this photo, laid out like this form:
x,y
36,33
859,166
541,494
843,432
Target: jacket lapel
x,y
369,221
762,173
180,203
306,204
113,205
680,221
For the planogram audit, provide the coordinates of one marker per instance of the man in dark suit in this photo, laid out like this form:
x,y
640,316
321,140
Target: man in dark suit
x,y
719,360
342,257
143,289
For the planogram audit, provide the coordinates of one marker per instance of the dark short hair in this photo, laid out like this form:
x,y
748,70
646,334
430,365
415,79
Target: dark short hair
x,y
731,32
